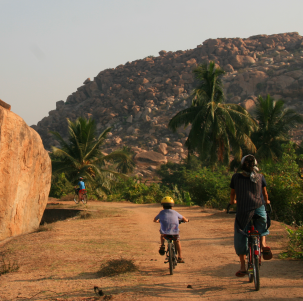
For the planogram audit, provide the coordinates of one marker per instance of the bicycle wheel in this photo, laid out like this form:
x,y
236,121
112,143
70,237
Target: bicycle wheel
x,y
84,198
170,258
174,256
76,198
256,272
250,270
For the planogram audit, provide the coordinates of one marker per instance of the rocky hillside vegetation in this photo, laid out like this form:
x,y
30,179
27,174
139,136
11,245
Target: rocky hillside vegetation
x,y
139,98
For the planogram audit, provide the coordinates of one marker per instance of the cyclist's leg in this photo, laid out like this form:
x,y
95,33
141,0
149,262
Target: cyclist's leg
x,y
241,247
162,247
261,224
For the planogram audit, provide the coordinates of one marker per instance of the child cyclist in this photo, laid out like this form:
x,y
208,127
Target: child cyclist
x,y
169,221
81,188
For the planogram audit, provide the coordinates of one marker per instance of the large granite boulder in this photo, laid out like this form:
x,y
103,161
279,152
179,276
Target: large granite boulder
x,y
151,157
25,176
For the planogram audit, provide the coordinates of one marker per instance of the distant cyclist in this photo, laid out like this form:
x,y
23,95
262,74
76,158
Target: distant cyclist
x,y
81,188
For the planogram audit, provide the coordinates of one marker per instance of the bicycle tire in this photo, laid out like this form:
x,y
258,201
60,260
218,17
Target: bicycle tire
x,y
256,272
84,198
249,264
76,198
174,256
170,259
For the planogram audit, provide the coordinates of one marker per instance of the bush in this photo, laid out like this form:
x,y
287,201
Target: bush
x,y
133,190
204,185
60,186
295,246
284,186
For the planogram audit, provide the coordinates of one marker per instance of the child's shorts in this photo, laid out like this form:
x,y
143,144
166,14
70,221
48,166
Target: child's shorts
x,y
173,237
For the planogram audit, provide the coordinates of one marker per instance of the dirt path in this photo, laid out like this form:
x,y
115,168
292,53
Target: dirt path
x,y
62,264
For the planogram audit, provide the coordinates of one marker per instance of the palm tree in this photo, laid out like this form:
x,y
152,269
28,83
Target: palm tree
x,y
81,155
217,127
275,122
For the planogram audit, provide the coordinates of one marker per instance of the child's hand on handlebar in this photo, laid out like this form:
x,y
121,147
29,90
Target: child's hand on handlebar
x,y
233,202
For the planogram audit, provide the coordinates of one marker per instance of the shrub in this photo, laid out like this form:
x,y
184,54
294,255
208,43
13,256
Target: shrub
x,y
60,186
284,186
295,246
7,263
116,267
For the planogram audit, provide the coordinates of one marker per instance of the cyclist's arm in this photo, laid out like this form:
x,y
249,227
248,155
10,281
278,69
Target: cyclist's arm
x,y
232,196
265,195
156,220
184,219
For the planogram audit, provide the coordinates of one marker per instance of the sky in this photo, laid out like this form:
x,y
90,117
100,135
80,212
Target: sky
x,y
49,47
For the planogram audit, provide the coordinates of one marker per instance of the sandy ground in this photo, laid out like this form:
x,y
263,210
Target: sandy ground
x,y
62,264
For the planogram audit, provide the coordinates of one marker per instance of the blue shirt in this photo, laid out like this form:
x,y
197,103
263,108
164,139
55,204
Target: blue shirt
x,y
81,185
169,221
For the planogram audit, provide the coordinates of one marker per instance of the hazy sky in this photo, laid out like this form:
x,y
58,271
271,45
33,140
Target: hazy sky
x,y
49,47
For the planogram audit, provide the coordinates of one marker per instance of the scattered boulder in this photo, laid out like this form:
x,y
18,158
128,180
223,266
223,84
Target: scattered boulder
x,y
151,157
163,148
25,169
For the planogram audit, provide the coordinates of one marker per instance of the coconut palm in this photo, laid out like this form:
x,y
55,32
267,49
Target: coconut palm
x,y
217,127
275,123
81,155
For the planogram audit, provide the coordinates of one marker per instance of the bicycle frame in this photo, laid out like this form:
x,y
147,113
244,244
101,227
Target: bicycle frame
x,y
171,254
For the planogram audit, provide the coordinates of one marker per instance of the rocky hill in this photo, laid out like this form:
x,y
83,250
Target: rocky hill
x,y
139,98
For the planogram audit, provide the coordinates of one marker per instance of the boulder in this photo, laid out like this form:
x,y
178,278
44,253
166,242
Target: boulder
x,y
130,119
25,169
249,105
239,61
5,105
151,157
228,68
163,148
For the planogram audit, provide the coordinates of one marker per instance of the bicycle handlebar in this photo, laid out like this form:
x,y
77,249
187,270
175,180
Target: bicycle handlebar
x,y
181,221
268,209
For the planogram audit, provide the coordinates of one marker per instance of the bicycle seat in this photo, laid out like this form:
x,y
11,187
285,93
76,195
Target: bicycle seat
x,y
170,237
256,216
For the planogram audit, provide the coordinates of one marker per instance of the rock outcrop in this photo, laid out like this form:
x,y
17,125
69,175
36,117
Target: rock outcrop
x,y
139,98
25,176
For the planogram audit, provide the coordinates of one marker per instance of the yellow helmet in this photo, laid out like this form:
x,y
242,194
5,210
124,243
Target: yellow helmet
x,y
168,201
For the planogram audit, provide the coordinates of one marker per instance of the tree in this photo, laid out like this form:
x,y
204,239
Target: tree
x,y
275,123
82,156
217,127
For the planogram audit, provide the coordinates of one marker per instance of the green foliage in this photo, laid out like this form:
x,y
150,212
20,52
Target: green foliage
x,y
202,186
274,125
81,155
60,186
295,246
284,186
217,127
135,191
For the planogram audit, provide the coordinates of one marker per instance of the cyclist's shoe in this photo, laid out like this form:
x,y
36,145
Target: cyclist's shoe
x,y
162,250
180,260
267,255
241,273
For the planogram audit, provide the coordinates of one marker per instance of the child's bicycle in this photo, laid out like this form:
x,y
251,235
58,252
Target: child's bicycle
x,y
78,198
254,249
171,252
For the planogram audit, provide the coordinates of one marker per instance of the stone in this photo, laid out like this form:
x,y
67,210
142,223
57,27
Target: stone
x,y
228,68
151,157
25,169
239,61
130,130
5,105
117,140
130,119
178,144
59,104
162,148
249,105
86,81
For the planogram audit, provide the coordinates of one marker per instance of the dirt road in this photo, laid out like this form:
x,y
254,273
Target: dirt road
x,y
62,264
